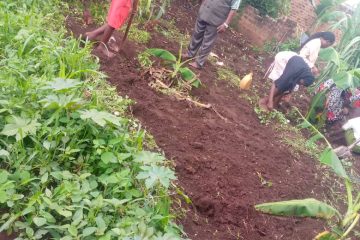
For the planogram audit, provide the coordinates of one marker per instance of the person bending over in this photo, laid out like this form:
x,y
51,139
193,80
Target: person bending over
x,y
296,72
117,16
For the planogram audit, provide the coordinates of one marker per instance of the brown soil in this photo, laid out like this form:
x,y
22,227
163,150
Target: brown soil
x,y
218,162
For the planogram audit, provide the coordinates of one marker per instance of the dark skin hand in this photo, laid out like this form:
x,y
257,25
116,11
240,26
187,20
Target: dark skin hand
x,y
222,27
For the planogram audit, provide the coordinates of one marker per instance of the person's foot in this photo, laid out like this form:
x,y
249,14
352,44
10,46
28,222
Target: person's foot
x,y
90,36
186,56
195,65
263,105
104,50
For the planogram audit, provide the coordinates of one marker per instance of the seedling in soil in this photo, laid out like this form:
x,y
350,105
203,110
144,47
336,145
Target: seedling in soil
x,y
263,181
176,74
267,117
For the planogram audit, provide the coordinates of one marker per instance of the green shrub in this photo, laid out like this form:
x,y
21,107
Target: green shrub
x,y
274,8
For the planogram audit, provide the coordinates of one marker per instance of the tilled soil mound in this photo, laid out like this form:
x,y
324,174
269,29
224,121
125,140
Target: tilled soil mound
x,y
219,163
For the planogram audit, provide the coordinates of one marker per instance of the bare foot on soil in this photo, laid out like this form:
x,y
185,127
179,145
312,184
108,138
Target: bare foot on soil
x,y
194,65
104,50
263,105
90,36
186,56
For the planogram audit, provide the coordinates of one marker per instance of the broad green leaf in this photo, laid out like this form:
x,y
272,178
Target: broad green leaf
x,y
101,224
64,212
88,231
60,101
4,153
44,178
298,208
3,196
343,80
187,74
196,83
155,174
39,221
77,217
20,128
3,176
108,157
116,202
99,117
162,53
73,230
148,158
330,158
60,84
330,54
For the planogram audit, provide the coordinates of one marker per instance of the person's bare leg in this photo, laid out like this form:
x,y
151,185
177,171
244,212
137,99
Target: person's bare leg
x,y
96,34
277,100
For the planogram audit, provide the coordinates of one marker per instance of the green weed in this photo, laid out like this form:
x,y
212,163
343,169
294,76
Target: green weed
x,y
138,35
227,74
73,166
169,30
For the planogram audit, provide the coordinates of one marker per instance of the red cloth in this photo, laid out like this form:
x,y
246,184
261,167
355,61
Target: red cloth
x,y
118,13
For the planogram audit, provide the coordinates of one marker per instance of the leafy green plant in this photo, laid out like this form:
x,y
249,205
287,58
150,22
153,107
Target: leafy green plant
x,y
273,46
72,164
313,208
227,74
177,69
342,62
274,9
152,9
267,117
139,35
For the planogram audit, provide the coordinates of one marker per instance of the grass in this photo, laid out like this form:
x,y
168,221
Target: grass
x,y
227,74
169,30
138,35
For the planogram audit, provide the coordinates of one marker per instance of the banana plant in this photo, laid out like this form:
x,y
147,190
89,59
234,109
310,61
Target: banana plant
x,y
342,62
176,65
310,207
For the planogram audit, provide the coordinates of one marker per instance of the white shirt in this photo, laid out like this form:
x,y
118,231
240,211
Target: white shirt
x,y
310,52
353,123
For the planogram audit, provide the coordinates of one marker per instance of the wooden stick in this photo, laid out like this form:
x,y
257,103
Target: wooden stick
x,y
196,103
133,11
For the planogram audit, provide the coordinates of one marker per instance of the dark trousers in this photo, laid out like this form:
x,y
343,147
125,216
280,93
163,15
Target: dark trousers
x,y
202,41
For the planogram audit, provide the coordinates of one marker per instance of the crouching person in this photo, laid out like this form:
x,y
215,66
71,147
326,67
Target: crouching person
x,y
296,72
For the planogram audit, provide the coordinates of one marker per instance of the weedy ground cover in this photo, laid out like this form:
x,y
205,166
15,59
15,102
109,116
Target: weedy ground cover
x,y
70,168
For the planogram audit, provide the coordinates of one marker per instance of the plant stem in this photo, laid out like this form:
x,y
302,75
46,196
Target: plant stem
x,y
314,128
357,218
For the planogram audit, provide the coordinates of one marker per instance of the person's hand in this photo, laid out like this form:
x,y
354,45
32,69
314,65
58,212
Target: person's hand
x,y
222,28
315,71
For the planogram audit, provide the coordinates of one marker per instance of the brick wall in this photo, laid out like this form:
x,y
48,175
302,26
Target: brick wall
x,y
260,29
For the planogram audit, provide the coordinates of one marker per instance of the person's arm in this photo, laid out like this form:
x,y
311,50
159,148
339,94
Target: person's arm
x,y
225,25
235,4
273,92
